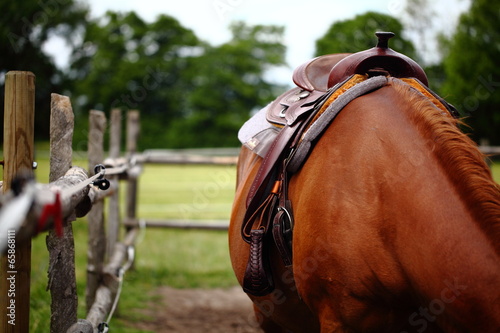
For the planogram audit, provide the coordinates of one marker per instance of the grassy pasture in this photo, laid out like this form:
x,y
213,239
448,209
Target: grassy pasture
x,y
181,259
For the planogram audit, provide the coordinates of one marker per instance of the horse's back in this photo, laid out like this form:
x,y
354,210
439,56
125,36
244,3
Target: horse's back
x,y
384,227
341,258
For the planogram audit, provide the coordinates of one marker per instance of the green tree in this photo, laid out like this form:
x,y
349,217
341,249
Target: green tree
x,y
473,74
420,17
190,94
25,26
419,20
229,83
358,34
125,62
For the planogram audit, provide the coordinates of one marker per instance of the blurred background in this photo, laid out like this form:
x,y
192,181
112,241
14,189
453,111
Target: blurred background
x,y
197,69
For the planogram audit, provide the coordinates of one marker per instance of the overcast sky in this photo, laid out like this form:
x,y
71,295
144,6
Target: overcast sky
x,y
305,20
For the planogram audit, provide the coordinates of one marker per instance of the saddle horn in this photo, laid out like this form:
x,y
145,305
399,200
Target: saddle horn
x,y
380,57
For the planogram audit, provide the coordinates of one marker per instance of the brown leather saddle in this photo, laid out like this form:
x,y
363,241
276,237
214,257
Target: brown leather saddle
x,y
311,79
269,215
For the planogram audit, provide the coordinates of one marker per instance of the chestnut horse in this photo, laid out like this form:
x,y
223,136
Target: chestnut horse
x,y
397,226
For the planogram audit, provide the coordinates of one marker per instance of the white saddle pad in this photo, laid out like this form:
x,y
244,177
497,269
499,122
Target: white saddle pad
x,y
257,133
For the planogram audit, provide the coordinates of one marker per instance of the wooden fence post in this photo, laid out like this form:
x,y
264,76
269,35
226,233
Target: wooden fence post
x,y
18,147
97,237
114,199
61,273
133,128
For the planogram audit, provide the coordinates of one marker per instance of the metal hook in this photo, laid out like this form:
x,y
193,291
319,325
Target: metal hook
x,y
98,168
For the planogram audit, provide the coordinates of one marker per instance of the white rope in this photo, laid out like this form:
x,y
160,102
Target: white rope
x,y
117,170
80,186
13,214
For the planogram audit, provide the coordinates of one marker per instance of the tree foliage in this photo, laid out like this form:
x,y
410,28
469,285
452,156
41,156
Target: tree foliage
x,y
125,62
189,93
358,34
229,83
471,66
25,27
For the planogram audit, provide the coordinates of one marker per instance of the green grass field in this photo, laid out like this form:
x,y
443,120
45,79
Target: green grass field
x,y
181,259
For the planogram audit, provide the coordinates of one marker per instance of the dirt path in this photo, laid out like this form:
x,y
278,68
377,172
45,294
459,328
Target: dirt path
x,y
201,311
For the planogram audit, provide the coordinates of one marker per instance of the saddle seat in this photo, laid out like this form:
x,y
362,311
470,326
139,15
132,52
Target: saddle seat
x,y
314,74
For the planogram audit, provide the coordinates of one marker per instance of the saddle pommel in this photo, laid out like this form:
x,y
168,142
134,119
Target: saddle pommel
x,y
378,58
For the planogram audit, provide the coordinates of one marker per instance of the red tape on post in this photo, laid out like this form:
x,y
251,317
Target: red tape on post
x,y
55,211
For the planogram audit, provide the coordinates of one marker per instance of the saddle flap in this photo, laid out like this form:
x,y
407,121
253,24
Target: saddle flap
x,y
380,57
287,108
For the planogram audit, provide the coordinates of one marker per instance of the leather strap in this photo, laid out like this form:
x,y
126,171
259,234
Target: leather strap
x,y
274,154
283,221
261,217
258,278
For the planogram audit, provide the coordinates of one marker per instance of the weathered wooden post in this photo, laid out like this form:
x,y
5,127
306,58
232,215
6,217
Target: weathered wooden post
x,y
97,237
114,199
18,149
62,279
133,128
